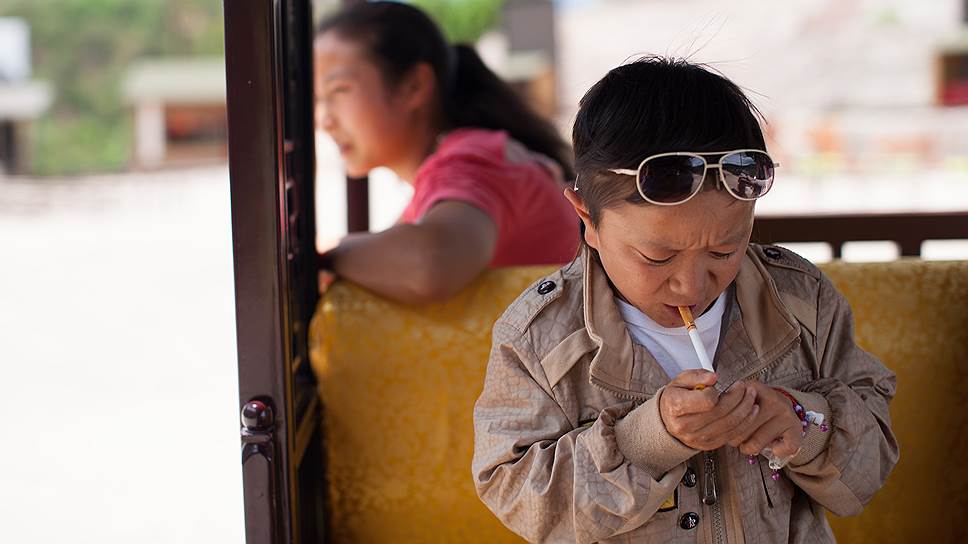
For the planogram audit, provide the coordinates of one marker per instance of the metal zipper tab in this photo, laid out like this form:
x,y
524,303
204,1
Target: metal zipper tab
x,y
709,493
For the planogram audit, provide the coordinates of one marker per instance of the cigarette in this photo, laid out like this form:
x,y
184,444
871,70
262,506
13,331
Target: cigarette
x,y
694,336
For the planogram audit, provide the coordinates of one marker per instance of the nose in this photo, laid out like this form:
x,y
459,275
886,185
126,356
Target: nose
x,y
324,117
688,283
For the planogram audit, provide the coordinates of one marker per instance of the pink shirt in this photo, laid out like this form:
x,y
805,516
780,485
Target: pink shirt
x,y
519,190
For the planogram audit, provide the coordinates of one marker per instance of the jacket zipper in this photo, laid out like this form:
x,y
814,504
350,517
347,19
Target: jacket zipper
x,y
710,461
711,495
710,492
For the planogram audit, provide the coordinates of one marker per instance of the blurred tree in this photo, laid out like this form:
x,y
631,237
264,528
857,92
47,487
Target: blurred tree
x,y
83,47
463,21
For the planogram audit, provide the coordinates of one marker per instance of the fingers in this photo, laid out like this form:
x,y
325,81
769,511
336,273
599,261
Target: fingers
x,y
690,379
325,279
750,426
736,426
773,430
714,408
682,402
790,442
710,430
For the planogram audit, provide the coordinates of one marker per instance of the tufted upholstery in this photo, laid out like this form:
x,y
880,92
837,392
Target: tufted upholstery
x,y
399,383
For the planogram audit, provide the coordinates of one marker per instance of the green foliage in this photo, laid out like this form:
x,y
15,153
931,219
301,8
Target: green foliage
x,y
463,21
82,48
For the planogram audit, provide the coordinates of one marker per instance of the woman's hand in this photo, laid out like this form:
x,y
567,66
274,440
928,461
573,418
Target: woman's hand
x,y
325,279
776,426
703,419
419,263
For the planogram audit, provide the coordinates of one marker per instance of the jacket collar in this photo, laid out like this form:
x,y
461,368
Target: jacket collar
x,y
757,331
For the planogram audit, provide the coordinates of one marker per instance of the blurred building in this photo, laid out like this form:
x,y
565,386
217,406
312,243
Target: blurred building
x,y
859,86
178,106
22,99
530,66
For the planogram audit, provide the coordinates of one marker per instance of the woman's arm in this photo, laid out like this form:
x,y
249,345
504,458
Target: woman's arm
x,y
419,263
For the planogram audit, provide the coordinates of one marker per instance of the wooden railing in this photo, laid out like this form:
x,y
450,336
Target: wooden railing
x,y
907,230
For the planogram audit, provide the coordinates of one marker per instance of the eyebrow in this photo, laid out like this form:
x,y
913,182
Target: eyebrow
x,y
730,241
341,73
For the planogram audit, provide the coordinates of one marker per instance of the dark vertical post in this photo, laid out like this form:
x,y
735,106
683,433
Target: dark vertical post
x,y
357,190
8,148
257,182
357,204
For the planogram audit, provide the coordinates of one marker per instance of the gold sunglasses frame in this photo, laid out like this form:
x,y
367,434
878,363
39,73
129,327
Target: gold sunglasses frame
x,y
720,179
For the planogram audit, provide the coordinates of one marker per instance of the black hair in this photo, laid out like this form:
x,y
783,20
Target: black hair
x,y
398,36
655,105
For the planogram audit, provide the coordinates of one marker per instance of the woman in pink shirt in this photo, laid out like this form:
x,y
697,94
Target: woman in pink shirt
x,y
487,171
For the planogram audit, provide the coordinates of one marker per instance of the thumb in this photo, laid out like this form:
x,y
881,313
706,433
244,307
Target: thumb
x,y
690,379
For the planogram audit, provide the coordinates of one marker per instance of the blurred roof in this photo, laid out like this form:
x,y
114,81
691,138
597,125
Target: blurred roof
x,y
175,81
956,42
24,101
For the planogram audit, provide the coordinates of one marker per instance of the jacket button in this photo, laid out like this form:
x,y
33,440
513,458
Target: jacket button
x,y
772,253
546,287
689,521
689,479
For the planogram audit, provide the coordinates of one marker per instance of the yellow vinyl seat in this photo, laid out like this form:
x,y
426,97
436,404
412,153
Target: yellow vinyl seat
x,y
398,385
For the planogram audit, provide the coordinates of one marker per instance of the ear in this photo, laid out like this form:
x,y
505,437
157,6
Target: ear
x,y
591,233
419,87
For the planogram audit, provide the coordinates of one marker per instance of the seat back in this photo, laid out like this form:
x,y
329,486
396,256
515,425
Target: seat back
x,y
913,315
398,385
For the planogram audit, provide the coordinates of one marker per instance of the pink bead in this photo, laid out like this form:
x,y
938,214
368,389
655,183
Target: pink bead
x,y
824,428
751,460
775,475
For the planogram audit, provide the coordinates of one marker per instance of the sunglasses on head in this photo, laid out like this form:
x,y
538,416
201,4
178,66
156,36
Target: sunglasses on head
x,y
667,179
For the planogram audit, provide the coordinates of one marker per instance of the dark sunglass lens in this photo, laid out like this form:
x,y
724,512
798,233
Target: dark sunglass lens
x,y
671,178
748,173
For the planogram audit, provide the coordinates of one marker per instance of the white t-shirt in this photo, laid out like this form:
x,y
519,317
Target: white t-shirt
x,y
672,348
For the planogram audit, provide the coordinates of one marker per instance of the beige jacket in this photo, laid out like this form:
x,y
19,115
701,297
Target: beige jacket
x,y
570,447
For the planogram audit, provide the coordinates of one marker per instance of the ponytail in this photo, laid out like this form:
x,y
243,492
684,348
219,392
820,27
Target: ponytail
x,y
479,98
399,36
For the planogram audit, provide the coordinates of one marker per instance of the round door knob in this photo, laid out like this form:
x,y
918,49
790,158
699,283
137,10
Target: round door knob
x,y
256,415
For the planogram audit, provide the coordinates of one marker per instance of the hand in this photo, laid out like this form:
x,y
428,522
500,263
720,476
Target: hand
x,y
325,274
326,278
705,420
776,426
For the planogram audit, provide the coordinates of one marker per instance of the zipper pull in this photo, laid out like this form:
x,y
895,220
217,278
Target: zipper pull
x,y
709,493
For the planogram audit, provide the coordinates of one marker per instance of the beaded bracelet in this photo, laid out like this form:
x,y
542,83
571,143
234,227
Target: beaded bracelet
x,y
806,417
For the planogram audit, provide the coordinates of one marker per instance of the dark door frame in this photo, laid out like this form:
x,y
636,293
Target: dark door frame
x,y
271,170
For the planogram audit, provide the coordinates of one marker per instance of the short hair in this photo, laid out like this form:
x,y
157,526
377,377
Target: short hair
x,y
654,105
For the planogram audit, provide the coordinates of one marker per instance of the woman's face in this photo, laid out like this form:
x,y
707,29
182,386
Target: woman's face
x,y
367,121
661,257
